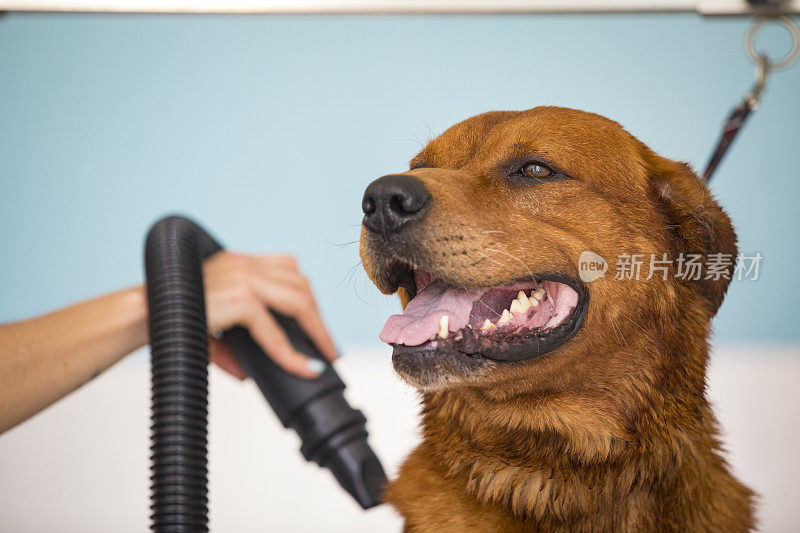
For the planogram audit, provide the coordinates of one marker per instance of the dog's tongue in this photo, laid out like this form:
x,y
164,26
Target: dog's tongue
x,y
422,316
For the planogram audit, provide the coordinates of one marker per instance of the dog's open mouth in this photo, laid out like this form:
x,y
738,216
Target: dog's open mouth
x,y
512,322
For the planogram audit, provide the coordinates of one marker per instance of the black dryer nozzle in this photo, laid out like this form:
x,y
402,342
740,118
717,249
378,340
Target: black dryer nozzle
x,y
333,434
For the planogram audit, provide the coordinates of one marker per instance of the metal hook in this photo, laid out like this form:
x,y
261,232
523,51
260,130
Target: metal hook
x,y
762,71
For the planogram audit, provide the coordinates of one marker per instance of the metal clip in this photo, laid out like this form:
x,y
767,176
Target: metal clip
x,y
762,71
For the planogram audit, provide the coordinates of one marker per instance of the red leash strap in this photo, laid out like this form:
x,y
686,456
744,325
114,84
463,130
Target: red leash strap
x,y
735,121
738,117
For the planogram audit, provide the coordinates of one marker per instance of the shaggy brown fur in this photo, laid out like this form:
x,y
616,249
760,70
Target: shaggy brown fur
x,y
612,431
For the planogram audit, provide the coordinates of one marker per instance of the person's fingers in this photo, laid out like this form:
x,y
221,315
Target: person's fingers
x,y
311,322
301,306
266,331
291,278
275,262
222,356
237,283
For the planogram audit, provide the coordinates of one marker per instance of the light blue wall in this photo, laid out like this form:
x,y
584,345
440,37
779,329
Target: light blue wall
x,y
268,129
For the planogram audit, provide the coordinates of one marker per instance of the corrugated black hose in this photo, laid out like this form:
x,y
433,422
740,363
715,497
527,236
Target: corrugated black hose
x,y
332,433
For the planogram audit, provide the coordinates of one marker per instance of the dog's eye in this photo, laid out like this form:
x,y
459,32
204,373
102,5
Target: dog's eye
x,y
536,171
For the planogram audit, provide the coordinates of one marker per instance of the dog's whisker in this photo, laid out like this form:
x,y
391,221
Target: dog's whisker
x,y
340,244
348,276
427,125
463,285
617,333
534,278
489,308
634,322
416,137
364,290
512,256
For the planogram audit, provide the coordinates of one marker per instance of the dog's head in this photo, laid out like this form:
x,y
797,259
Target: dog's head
x,y
497,237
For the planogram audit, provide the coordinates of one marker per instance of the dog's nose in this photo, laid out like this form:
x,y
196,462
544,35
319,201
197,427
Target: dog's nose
x,y
393,201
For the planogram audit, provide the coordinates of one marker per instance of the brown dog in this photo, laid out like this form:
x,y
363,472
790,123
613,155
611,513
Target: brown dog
x,y
551,403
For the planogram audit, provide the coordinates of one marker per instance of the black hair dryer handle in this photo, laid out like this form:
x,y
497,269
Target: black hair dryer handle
x,y
333,434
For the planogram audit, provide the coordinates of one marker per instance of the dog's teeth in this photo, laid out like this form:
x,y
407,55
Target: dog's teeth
x,y
521,304
538,294
520,307
487,325
505,319
444,324
524,303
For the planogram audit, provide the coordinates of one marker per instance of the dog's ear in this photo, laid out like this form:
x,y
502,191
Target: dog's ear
x,y
696,225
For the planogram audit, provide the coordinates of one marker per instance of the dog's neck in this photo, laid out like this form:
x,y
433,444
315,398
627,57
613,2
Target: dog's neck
x,y
565,470
561,456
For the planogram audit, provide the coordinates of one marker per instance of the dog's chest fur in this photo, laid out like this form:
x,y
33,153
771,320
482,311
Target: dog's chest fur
x,y
468,476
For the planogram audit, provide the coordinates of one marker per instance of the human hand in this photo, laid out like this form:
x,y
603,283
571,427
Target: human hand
x,y
239,290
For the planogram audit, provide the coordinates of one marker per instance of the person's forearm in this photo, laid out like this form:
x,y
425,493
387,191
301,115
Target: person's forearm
x,y
45,358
